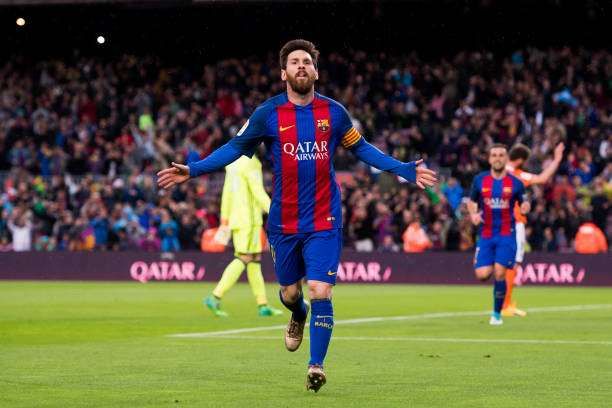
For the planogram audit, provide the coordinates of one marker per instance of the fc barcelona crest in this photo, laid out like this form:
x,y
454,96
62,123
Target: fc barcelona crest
x,y
323,125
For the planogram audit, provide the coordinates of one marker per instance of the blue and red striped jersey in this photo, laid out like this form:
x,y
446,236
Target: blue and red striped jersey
x,y
301,141
496,198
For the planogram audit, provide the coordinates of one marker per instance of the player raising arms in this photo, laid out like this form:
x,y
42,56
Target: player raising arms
x,y
519,154
302,130
495,192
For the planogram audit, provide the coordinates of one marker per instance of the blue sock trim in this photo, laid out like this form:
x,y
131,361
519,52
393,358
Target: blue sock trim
x,y
499,293
321,327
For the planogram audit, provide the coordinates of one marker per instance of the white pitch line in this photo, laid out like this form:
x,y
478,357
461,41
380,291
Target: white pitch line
x,y
550,309
434,339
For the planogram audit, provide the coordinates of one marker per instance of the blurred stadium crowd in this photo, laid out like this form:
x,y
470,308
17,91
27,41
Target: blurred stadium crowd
x,y
81,141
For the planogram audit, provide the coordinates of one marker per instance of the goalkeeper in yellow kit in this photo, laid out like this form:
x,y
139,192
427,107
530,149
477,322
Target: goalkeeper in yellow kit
x,y
242,203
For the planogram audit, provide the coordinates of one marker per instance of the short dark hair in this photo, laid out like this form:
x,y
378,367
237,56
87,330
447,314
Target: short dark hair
x,y
496,146
519,151
298,44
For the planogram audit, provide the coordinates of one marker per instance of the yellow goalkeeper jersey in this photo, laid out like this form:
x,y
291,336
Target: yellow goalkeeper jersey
x,y
244,197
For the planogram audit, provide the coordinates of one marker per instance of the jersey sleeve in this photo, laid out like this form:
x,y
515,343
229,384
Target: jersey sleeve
x,y
525,177
519,191
349,136
252,132
475,191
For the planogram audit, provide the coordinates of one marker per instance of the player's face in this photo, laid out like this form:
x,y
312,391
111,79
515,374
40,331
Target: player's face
x,y
498,157
300,72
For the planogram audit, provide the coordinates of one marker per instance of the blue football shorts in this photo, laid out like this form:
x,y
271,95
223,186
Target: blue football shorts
x,y
498,249
310,255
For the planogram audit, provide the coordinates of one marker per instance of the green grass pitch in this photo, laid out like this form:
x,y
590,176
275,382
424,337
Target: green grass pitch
x,y
107,345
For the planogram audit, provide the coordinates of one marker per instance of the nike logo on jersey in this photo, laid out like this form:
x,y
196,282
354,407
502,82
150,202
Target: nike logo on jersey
x,y
330,273
282,129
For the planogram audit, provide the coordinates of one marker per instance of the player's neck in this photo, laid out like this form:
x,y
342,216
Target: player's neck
x,y
300,99
498,174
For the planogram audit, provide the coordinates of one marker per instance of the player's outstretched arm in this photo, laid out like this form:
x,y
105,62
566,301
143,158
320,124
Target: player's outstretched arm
x,y
176,174
551,169
179,173
412,171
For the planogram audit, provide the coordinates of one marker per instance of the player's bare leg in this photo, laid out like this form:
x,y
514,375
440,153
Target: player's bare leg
x,y
483,273
292,298
229,278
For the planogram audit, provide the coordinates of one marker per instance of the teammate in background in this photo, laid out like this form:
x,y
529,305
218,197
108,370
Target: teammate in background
x,y
242,202
495,192
302,130
519,154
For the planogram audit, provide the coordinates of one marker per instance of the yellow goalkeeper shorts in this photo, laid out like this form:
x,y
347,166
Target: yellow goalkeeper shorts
x,y
247,240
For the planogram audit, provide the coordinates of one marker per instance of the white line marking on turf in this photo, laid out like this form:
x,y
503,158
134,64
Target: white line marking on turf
x,y
550,309
434,339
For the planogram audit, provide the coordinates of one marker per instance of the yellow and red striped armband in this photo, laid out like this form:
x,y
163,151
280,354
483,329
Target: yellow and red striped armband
x,y
351,137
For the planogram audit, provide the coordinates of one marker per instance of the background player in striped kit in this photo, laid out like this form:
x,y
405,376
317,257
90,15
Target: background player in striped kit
x,y
519,154
495,192
302,130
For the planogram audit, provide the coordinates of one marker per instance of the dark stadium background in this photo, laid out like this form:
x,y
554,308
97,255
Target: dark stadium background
x,y
198,30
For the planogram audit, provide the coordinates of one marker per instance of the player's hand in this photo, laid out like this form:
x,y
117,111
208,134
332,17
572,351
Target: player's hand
x,y
177,174
424,176
558,154
476,218
223,235
525,207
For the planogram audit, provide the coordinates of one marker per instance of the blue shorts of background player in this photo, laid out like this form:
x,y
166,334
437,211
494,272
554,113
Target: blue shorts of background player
x,y
498,249
310,255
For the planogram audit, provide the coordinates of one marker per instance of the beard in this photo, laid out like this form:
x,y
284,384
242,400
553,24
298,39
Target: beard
x,y
301,85
498,167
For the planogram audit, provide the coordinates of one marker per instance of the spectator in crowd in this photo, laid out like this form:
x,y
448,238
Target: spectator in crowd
x,y
5,243
361,230
453,192
169,233
81,140
550,241
590,239
415,238
20,225
388,245
150,242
